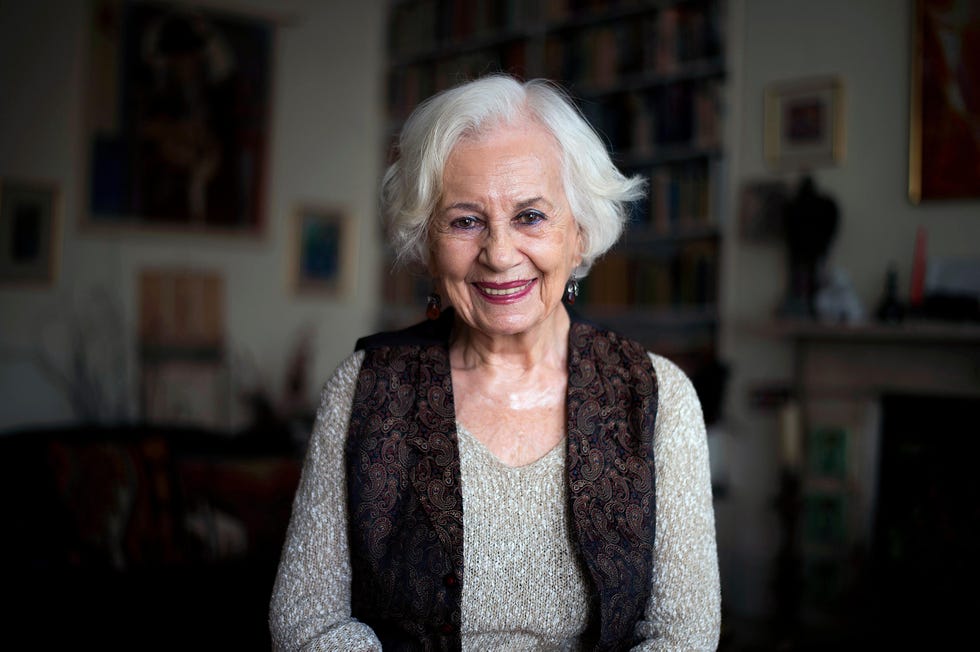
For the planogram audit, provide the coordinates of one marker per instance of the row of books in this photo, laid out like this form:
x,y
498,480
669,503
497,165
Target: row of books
x,y
639,35
639,122
688,280
662,43
409,85
680,197
417,27
643,123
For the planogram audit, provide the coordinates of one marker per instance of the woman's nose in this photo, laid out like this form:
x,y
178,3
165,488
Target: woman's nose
x,y
500,249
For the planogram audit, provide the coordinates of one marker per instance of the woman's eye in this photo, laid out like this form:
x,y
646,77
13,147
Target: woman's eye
x,y
530,217
464,223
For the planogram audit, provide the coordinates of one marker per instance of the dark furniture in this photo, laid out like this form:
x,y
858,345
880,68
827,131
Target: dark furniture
x,y
139,537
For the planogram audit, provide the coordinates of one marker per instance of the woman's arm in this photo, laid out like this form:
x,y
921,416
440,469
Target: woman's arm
x,y
684,611
310,607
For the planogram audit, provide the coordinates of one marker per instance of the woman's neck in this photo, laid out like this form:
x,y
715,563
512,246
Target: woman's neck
x,y
544,346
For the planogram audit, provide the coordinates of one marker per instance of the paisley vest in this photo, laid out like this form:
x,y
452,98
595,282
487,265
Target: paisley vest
x,y
405,500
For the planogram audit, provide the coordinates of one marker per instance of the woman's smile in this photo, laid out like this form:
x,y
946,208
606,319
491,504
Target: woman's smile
x,y
505,292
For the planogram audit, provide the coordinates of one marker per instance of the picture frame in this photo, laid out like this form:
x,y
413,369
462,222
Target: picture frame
x,y
804,124
183,367
323,251
30,233
944,112
177,117
827,455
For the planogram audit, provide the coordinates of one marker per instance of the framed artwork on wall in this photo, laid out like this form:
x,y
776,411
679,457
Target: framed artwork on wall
x,y
29,233
324,255
944,134
804,124
184,374
177,117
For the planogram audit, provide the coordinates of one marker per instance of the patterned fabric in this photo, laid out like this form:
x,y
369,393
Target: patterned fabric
x,y
406,545
612,410
405,497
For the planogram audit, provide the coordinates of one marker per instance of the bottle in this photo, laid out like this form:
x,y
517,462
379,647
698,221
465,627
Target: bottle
x,y
891,310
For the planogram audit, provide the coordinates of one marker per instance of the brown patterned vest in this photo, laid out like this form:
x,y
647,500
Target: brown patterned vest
x,y
405,500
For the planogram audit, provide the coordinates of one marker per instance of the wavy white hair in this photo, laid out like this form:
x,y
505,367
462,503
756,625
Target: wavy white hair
x,y
597,191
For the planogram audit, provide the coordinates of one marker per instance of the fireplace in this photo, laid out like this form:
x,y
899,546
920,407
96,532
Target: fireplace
x,y
897,569
924,562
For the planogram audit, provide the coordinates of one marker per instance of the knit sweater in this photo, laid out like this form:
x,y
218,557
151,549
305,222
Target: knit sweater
x,y
525,588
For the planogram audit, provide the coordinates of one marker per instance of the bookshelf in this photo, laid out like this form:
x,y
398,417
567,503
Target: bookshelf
x,y
649,75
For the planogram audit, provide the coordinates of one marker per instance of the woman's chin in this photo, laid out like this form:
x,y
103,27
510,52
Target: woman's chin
x,y
502,321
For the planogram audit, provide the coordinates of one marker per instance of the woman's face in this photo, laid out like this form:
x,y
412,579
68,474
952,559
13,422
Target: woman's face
x,y
503,239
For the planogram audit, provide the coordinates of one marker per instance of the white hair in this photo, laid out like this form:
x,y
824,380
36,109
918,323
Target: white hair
x,y
597,191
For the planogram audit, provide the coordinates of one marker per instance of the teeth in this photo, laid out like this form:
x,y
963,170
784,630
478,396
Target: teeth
x,y
505,293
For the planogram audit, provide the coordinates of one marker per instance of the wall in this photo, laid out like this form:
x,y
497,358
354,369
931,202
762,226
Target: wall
x,y
325,148
868,45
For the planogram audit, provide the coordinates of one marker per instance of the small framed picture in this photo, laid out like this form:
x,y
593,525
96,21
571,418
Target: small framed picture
x,y
29,233
324,252
827,452
804,124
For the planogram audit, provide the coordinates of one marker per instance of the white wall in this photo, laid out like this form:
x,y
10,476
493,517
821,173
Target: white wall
x,y
867,44
325,148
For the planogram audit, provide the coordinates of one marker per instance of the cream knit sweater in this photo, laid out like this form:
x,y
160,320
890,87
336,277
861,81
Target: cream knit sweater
x,y
524,587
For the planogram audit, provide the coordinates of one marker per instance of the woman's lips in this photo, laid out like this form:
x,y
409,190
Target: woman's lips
x,y
505,292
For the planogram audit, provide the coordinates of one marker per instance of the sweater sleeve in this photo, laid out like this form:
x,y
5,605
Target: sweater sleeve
x,y
684,611
310,606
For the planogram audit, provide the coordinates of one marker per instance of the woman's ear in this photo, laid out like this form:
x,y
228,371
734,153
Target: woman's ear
x,y
579,246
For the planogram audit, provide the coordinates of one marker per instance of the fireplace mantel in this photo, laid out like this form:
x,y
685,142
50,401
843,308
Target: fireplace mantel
x,y
870,359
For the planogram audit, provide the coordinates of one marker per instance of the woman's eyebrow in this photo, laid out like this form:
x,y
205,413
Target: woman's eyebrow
x,y
462,205
527,203
476,207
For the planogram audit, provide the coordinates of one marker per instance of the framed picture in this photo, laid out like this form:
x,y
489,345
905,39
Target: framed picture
x,y
827,452
184,377
177,117
323,251
29,233
944,134
804,124
182,310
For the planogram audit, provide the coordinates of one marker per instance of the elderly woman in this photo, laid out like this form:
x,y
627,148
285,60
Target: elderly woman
x,y
504,475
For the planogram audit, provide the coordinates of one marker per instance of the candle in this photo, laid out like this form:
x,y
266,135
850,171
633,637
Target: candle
x,y
790,436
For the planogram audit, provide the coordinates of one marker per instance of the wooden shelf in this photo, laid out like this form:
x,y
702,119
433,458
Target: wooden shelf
x,y
683,72
911,331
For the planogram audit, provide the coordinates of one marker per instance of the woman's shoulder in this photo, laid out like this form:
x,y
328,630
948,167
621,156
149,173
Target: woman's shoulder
x,y
428,332
666,367
343,378
673,383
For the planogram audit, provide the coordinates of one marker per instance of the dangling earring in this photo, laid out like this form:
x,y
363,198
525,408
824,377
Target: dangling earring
x,y
433,306
571,290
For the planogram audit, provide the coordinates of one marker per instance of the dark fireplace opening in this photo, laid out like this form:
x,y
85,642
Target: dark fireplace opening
x,y
924,589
